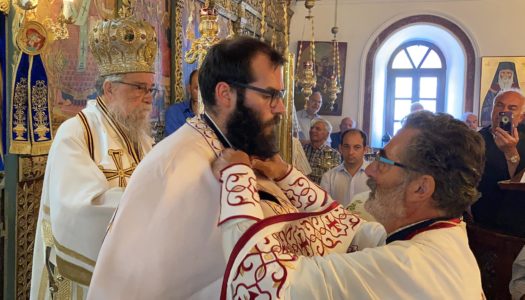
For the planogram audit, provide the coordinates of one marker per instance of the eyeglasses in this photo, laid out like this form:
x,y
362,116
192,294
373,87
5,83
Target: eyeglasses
x,y
273,94
383,162
141,88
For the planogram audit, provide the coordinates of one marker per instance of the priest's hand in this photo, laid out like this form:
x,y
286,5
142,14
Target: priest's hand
x,y
229,157
273,168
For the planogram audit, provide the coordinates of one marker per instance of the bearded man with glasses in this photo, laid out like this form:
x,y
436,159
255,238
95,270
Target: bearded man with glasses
x,y
421,183
164,242
92,158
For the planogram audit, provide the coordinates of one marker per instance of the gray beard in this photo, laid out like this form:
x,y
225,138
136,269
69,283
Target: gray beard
x,y
505,84
386,205
136,125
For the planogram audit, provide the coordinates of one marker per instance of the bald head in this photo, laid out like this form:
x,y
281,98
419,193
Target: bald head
x,y
508,101
314,103
346,123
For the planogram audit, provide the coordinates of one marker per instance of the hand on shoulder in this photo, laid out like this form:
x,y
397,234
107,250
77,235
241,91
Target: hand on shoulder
x,y
228,158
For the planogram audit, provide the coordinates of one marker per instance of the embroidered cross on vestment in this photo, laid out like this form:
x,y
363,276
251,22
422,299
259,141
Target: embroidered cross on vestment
x,y
119,172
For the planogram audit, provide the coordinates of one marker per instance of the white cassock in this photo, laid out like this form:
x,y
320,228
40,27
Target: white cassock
x,y
432,261
165,242
89,164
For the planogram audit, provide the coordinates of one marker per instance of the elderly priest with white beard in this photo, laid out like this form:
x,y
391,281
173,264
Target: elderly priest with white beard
x,y
91,159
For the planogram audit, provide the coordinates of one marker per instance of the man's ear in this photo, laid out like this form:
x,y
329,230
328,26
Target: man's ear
x,y
224,95
421,188
107,87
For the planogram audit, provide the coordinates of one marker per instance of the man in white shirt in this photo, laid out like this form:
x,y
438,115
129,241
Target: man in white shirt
x,y
307,115
348,178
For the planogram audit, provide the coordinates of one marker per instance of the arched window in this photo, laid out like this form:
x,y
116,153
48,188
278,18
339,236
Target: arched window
x,y
439,36
416,73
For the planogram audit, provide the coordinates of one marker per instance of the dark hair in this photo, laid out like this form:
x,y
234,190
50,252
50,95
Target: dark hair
x,y
355,130
230,61
451,153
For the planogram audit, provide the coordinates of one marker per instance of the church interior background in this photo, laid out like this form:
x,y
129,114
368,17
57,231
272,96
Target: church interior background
x,y
372,31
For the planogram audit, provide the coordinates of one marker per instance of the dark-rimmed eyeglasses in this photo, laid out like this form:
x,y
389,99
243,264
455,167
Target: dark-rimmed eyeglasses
x,y
141,88
383,161
273,94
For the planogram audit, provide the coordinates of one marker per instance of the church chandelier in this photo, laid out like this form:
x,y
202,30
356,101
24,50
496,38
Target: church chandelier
x,y
306,77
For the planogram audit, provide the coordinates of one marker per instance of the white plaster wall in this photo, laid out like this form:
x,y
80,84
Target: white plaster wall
x,y
495,28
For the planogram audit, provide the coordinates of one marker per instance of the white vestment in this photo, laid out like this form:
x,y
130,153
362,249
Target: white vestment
x,y
164,242
89,164
432,264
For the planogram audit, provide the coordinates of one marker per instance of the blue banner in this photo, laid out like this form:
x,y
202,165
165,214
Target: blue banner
x,y
30,110
30,115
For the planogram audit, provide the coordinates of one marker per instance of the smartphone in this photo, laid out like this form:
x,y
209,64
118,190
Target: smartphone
x,y
505,121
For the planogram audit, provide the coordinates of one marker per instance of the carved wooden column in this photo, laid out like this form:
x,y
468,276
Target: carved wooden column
x,y
29,189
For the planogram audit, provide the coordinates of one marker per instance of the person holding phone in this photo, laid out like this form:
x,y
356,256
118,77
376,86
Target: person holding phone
x,y
505,155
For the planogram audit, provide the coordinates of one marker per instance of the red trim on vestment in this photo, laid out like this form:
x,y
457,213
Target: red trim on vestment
x,y
237,217
255,228
290,168
232,165
438,225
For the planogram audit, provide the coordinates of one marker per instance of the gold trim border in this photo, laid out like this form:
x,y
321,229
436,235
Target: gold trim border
x,y
73,254
73,272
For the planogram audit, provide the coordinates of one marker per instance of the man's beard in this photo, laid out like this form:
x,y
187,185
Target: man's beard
x,y
386,204
135,125
246,131
505,83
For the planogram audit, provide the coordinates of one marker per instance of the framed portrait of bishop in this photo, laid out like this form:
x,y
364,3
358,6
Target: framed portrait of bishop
x,y
498,73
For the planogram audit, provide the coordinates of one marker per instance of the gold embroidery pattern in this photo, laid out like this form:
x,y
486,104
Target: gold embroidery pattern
x,y
207,133
119,172
27,206
179,84
49,241
40,107
4,6
64,288
20,107
31,168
